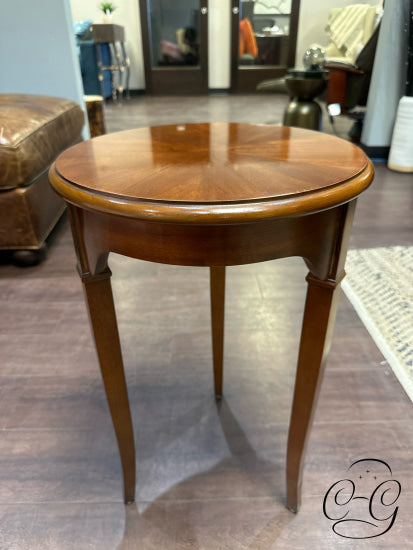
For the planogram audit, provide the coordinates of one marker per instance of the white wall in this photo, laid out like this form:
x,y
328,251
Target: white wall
x,y
312,22
219,43
37,49
126,14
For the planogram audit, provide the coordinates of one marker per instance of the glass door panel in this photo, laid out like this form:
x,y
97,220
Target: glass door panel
x,y
174,32
264,36
264,32
175,46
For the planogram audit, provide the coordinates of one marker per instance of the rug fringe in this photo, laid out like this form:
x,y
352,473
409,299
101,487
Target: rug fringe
x,y
381,343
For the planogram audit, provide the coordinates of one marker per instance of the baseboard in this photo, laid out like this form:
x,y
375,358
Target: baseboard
x,y
376,152
137,92
210,90
219,90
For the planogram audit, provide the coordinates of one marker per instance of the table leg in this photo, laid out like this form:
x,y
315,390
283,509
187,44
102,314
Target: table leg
x,y
217,285
120,70
99,299
318,323
100,71
126,62
95,115
113,64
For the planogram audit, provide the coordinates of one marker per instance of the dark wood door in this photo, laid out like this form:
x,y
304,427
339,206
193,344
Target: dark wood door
x,y
175,46
263,41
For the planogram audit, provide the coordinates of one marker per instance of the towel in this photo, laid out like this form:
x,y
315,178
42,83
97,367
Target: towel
x,y
346,28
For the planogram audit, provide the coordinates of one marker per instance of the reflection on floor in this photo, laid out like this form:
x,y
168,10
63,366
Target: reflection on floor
x,y
209,476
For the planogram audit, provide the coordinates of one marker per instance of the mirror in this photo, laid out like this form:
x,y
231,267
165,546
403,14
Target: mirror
x,y
174,32
263,41
264,32
175,46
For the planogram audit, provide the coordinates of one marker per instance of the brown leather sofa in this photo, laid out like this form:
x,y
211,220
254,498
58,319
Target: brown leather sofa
x,y
34,130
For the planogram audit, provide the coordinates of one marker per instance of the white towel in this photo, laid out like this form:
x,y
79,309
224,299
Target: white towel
x,y
346,29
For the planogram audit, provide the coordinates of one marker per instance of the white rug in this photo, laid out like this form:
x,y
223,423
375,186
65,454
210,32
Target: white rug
x,y
379,284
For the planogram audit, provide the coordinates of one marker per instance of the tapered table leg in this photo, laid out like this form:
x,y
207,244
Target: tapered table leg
x,y
217,283
99,299
318,324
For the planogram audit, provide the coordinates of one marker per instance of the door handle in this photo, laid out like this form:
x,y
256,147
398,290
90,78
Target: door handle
x,y
204,11
235,10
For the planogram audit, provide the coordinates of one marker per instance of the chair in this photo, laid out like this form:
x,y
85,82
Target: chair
x,y
353,32
35,130
88,59
349,81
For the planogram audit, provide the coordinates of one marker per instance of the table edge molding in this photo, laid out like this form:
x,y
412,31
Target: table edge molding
x,y
214,213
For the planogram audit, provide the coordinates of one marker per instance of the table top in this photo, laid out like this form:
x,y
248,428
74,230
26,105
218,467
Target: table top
x,y
210,173
108,32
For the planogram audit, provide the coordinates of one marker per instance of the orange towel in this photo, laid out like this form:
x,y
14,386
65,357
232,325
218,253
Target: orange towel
x,y
247,42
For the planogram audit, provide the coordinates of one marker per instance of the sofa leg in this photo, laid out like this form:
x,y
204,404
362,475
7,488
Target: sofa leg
x,y
27,258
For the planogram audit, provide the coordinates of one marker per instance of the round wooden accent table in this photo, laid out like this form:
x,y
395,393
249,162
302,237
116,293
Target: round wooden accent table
x,y
214,195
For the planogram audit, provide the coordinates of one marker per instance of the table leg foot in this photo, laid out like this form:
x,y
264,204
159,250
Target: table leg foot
x,y
99,299
217,287
318,323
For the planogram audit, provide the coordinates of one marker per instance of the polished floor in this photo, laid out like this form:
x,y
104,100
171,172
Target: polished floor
x,y
209,476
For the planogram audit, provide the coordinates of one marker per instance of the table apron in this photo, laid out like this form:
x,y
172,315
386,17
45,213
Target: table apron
x,y
313,237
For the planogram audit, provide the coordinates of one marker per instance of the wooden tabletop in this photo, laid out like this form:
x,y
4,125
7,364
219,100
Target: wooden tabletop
x,y
211,173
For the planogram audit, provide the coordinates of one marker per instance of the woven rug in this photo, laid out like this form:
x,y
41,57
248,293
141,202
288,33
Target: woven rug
x,y
379,284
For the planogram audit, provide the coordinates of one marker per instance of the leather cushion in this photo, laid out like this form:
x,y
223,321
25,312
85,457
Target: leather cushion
x,y
33,131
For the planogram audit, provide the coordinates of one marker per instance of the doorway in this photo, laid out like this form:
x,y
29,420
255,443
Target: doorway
x,y
263,41
175,46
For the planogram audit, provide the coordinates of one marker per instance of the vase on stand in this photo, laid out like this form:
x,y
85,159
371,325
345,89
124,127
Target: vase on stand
x,y
108,17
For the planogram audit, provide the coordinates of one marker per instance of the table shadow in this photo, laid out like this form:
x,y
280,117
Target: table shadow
x,y
164,520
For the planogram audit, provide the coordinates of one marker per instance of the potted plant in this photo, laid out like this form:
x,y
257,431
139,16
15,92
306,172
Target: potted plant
x,y
108,8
